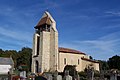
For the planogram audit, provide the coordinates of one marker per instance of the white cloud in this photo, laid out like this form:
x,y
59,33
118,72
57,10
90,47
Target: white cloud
x,y
23,36
10,39
117,13
51,3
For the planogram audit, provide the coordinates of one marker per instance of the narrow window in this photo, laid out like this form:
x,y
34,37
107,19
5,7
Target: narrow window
x,y
38,41
36,66
64,60
78,61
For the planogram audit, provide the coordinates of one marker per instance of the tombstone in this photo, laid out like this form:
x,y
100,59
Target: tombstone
x,y
113,75
67,76
48,76
90,73
105,79
59,77
40,78
78,77
101,75
66,72
55,75
23,74
118,77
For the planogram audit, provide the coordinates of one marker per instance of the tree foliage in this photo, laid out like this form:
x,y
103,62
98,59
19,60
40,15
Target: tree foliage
x,y
24,56
91,57
114,62
1,51
103,65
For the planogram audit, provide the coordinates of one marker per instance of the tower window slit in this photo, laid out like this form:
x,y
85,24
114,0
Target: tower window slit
x,y
36,66
78,61
38,43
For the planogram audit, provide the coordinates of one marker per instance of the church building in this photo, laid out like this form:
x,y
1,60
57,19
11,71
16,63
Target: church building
x,y
47,56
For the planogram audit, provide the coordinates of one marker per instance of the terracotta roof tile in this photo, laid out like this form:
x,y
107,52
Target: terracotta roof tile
x,y
67,50
44,20
90,60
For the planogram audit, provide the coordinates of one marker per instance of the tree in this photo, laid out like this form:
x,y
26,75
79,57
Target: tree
x,y
114,62
91,57
25,57
103,65
1,51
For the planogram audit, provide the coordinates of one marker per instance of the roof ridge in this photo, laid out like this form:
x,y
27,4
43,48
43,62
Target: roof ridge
x,y
91,60
61,49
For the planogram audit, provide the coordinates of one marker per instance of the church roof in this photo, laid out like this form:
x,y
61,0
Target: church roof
x,y
67,50
90,60
6,61
44,20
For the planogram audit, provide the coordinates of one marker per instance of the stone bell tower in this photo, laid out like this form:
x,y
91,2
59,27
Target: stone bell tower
x,y
45,45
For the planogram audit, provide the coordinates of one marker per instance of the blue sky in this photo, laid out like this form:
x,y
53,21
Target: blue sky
x,y
90,26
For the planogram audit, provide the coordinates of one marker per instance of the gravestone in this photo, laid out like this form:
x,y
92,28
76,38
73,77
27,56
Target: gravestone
x,y
90,73
113,75
66,72
55,75
48,76
67,76
23,74
40,78
77,77
59,77
101,75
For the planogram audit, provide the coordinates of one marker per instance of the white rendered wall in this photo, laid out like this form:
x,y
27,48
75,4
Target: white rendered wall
x,y
4,69
71,59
